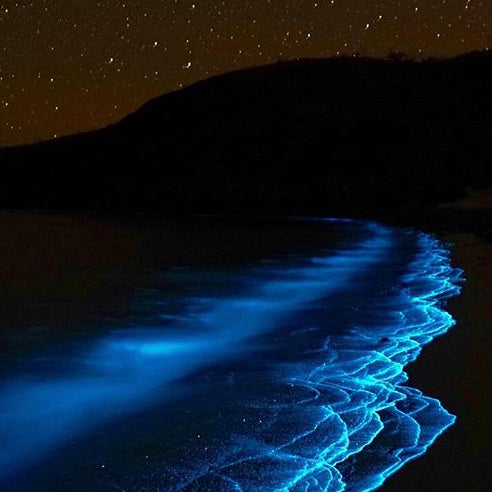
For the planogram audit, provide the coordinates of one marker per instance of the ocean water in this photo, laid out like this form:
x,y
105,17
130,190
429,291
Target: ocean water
x,y
282,370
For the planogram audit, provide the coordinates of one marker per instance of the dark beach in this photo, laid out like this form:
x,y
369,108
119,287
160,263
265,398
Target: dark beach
x,y
456,368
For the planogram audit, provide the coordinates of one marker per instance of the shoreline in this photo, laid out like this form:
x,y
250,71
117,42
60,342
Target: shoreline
x,y
455,369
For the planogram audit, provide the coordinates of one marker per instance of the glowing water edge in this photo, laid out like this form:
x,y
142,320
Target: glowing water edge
x,y
292,381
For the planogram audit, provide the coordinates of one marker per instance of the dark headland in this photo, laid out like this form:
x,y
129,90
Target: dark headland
x,y
340,136
394,140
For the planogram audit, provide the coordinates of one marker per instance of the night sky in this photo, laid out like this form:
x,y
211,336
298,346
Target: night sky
x,y
73,65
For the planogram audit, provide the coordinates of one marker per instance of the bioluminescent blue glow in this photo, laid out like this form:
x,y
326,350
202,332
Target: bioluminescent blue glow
x,y
314,397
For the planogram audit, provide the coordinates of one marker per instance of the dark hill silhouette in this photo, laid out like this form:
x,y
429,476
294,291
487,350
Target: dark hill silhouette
x,y
341,136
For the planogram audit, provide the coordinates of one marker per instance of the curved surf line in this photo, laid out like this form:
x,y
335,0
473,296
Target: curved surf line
x,y
361,423
123,372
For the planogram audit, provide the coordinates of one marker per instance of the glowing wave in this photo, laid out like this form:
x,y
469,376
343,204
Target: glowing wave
x,y
333,415
344,420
